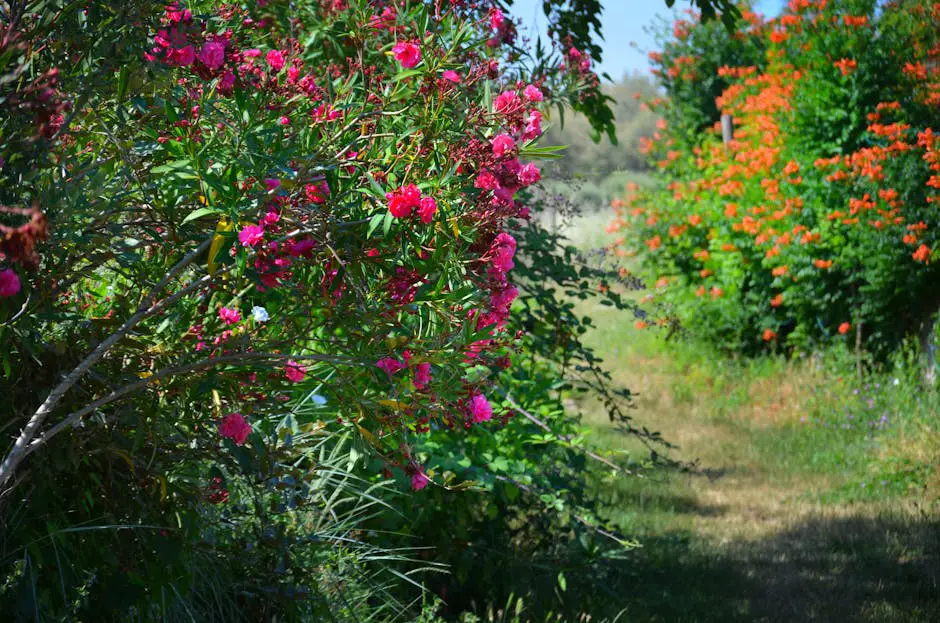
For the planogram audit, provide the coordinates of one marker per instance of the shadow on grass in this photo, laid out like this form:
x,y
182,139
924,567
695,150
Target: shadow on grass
x,y
821,569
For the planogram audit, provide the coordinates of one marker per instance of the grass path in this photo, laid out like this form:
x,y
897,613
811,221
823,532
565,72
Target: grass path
x,y
791,515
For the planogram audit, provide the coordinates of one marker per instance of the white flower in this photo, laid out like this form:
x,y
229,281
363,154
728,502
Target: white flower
x,y
895,381
260,314
318,400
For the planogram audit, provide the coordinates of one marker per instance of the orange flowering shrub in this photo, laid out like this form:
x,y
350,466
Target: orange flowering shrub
x,y
822,208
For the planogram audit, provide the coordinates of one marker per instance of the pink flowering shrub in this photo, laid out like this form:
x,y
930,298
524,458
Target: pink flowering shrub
x,y
363,197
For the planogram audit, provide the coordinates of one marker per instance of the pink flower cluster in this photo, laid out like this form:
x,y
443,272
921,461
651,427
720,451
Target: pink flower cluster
x,y
502,293
294,372
504,31
419,480
229,316
407,53
235,427
422,371
403,202
9,283
479,408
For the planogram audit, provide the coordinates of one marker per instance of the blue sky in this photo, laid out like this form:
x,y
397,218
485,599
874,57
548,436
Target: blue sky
x,y
623,24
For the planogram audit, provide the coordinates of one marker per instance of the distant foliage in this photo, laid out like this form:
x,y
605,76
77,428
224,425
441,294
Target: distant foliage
x,y
633,121
818,221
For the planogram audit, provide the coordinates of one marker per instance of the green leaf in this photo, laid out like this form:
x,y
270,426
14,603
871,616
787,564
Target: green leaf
x,y
374,223
192,216
408,73
549,152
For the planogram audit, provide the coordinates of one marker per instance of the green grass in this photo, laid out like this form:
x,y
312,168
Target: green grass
x,y
815,493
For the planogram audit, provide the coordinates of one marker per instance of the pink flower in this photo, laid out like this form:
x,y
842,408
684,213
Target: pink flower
x,y
390,365
385,20
228,81
533,93
251,235
9,283
529,174
300,248
233,426
502,144
480,409
284,120
408,54
294,371
486,181
497,19
504,248
403,201
272,183
451,75
418,481
317,193
252,53
275,60
229,316
399,206
422,375
212,54
533,127
427,209
507,102
185,56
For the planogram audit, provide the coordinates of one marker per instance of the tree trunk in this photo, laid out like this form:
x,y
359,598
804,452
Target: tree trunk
x,y
929,350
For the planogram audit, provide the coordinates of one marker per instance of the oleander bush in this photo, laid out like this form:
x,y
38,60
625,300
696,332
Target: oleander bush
x,y
276,317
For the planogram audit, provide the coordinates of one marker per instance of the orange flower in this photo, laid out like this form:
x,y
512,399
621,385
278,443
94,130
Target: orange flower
x,y
727,247
705,273
701,254
654,243
662,282
779,271
844,328
822,264
918,71
716,292
700,291
922,254
639,324
695,220
846,66
731,210
776,301
769,334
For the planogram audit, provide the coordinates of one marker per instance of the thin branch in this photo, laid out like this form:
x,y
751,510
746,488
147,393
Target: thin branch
x,y
147,308
587,523
566,438
72,418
